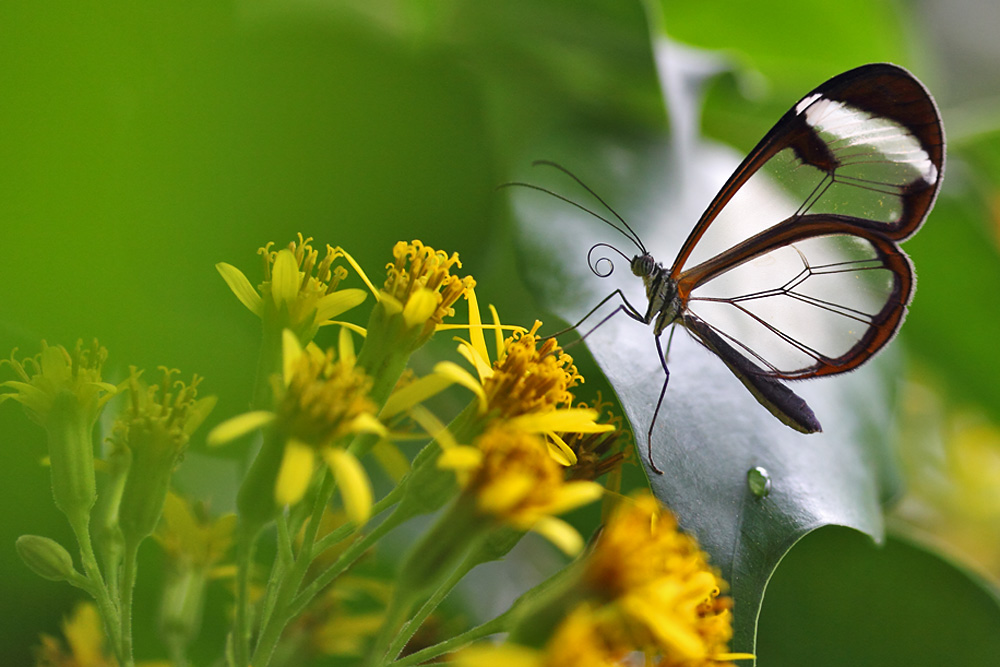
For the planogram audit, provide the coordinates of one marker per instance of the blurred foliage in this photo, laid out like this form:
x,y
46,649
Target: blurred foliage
x,y
141,144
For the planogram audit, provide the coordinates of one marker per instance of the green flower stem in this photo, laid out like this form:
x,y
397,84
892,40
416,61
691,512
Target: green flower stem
x,y
411,626
278,571
493,545
289,585
80,522
127,594
351,554
268,363
492,627
428,566
246,540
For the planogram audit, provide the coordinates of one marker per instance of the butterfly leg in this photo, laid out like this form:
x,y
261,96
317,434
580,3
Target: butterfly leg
x,y
659,402
625,307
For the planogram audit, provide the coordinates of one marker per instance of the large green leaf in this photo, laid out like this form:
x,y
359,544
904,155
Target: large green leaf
x,y
710,431
838,600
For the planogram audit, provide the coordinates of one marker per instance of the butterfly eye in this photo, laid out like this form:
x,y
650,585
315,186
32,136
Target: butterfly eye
x,y
642,265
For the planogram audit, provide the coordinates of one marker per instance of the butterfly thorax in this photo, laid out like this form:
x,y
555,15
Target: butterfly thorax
x,y
661,291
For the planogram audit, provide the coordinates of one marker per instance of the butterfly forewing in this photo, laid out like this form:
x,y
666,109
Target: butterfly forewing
x,y
866,145
795,263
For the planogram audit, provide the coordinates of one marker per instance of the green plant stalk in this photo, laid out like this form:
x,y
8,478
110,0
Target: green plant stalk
x,y
127,595
411,626
245,542
278,571
289,585
492,627
79,521
351,554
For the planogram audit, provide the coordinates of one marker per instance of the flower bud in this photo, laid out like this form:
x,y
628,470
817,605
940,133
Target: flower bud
x,y
46,557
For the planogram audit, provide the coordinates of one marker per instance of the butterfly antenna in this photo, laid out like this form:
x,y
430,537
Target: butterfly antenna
x,y
573,203
631,235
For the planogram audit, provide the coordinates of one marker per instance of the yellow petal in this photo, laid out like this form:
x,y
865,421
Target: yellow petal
x,y
361,272
291,350
361,331
295,473
366,423
391,459
239,426
419,307
482,364
498,332
559,533
433,426
240,286
416,392
355,489
560,451
505,655
338,302
460,457
476,326
575,494
390,304
501,494
345,347
570,420
458,375
284,278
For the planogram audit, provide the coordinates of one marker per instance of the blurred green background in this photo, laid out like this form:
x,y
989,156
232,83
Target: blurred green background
x,y
141,143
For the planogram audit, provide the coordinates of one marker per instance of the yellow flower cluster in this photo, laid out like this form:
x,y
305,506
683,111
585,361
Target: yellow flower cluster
x,y
660,594
420,279
528,378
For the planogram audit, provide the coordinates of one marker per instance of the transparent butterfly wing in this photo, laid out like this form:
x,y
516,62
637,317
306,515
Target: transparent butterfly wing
x,y
866,145
815,306
795,264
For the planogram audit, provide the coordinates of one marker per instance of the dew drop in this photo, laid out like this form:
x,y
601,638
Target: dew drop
x,y
759,481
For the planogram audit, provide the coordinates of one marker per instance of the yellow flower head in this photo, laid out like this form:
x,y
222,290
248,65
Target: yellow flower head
x,y
322,398
528,386
57,372
85,641
576,642
192,538
159,419
155,429
512,478
420,282
528,378
299,291
660,594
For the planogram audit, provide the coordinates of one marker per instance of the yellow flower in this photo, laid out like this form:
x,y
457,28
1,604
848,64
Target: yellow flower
x,y
660,594
420,285
320,401
299,291
510,477
155,428
189,536
527,386
577,642
63,393
56,371
85,641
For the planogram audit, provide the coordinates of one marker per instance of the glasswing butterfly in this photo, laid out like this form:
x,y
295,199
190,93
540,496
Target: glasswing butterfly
x,y
794,271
